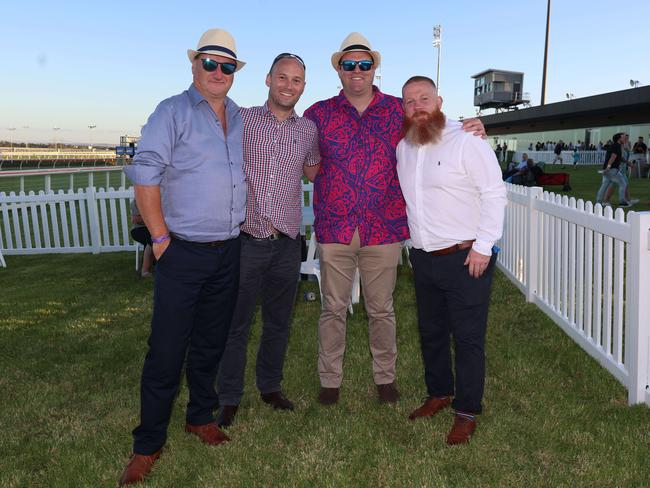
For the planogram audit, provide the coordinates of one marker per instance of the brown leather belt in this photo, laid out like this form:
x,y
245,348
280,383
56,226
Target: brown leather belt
x,y
200,244
452,249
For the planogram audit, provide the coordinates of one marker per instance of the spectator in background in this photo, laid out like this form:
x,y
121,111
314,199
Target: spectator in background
x,y
558,152
505,152
639,157
576,157
527,175
498,151
141,234
611,173
623,170
530,146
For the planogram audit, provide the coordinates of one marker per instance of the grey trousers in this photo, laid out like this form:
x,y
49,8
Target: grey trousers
x,y
270,269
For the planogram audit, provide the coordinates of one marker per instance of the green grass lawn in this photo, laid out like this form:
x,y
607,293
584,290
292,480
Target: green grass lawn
x,y
74,330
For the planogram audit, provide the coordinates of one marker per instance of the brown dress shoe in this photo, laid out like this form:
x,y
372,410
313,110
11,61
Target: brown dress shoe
x,y
209,433
227,415
328,396
430,407
387,393
139,466
461,431
277,400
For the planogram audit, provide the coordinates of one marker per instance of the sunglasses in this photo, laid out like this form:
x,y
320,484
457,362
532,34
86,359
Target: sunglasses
x,y
349,65
288,56
211,65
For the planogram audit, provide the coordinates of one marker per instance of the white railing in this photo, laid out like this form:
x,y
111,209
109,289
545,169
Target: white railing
x,y
586,157
22,153
66,222
87,220
589,271
47,175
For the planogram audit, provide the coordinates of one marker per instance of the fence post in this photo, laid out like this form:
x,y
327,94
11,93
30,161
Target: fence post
x,y
48,183
637,333
93,217
532,256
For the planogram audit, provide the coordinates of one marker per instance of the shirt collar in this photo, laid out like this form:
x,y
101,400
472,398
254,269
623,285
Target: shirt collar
x,y
378,96
196,98
266,111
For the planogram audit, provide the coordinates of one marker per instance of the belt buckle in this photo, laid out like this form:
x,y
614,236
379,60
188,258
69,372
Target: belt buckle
x,y
275,237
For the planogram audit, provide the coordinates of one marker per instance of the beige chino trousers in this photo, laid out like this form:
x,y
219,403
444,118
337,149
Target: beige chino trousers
x,y
378,269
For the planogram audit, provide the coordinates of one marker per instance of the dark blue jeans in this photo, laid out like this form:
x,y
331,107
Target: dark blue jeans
x,y
270,269
452,303
194,296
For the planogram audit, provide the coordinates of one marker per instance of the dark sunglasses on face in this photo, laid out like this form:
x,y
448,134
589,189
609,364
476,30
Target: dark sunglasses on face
x,y
349,65
211,65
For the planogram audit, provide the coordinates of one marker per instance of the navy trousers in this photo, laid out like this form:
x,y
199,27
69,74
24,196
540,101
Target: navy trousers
x,y
270,269
451,303
194,298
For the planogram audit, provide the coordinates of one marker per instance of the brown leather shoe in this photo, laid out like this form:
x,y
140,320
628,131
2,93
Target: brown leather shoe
x,y
227,415
209,433
430,407
328,396
277,400
461,431
139,466
387,393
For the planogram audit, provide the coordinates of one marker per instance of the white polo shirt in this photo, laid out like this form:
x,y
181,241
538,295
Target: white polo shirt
x,y
453,191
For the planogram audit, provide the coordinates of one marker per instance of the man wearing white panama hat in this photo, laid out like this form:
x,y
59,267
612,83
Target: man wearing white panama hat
x,y
190,188
360,214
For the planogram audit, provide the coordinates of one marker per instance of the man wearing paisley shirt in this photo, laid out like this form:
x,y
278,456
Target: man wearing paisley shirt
x,y
360,214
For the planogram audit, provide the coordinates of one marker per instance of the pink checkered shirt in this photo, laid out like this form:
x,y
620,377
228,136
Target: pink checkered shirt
x,y
274,155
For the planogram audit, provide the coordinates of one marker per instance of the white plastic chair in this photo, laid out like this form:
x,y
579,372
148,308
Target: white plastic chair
x,y
311,266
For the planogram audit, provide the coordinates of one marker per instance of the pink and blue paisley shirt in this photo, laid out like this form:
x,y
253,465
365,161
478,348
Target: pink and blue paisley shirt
x,y
357,185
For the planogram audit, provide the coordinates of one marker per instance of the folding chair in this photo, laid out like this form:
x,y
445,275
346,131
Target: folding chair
x,y
311,266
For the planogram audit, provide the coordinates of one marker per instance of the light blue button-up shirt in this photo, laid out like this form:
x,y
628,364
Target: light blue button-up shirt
x,y
200,172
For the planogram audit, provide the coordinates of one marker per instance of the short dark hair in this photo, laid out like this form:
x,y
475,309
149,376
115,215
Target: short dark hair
x,y
416,79
617,136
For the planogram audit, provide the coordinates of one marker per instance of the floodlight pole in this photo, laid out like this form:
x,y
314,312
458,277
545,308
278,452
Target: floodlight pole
x,y
548,23
90,132
437,43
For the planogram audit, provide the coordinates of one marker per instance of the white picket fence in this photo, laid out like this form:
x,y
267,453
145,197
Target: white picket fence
x,y
88,220
588,269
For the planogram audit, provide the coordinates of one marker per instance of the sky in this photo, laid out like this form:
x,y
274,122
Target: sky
x,y
72,64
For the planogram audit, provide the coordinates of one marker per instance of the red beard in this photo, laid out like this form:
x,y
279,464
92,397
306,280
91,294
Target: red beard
x,y
423,130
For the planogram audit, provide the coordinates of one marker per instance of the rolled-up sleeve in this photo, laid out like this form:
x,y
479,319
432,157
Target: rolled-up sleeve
x,y
154,153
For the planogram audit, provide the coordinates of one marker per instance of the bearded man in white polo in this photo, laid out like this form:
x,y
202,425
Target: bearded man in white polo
x,y
455,202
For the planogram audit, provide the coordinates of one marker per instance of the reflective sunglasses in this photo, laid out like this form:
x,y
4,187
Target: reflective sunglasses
x,y
349,65
288,56
211,65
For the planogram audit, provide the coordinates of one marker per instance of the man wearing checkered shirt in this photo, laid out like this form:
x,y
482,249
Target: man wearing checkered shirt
x,y
279,147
